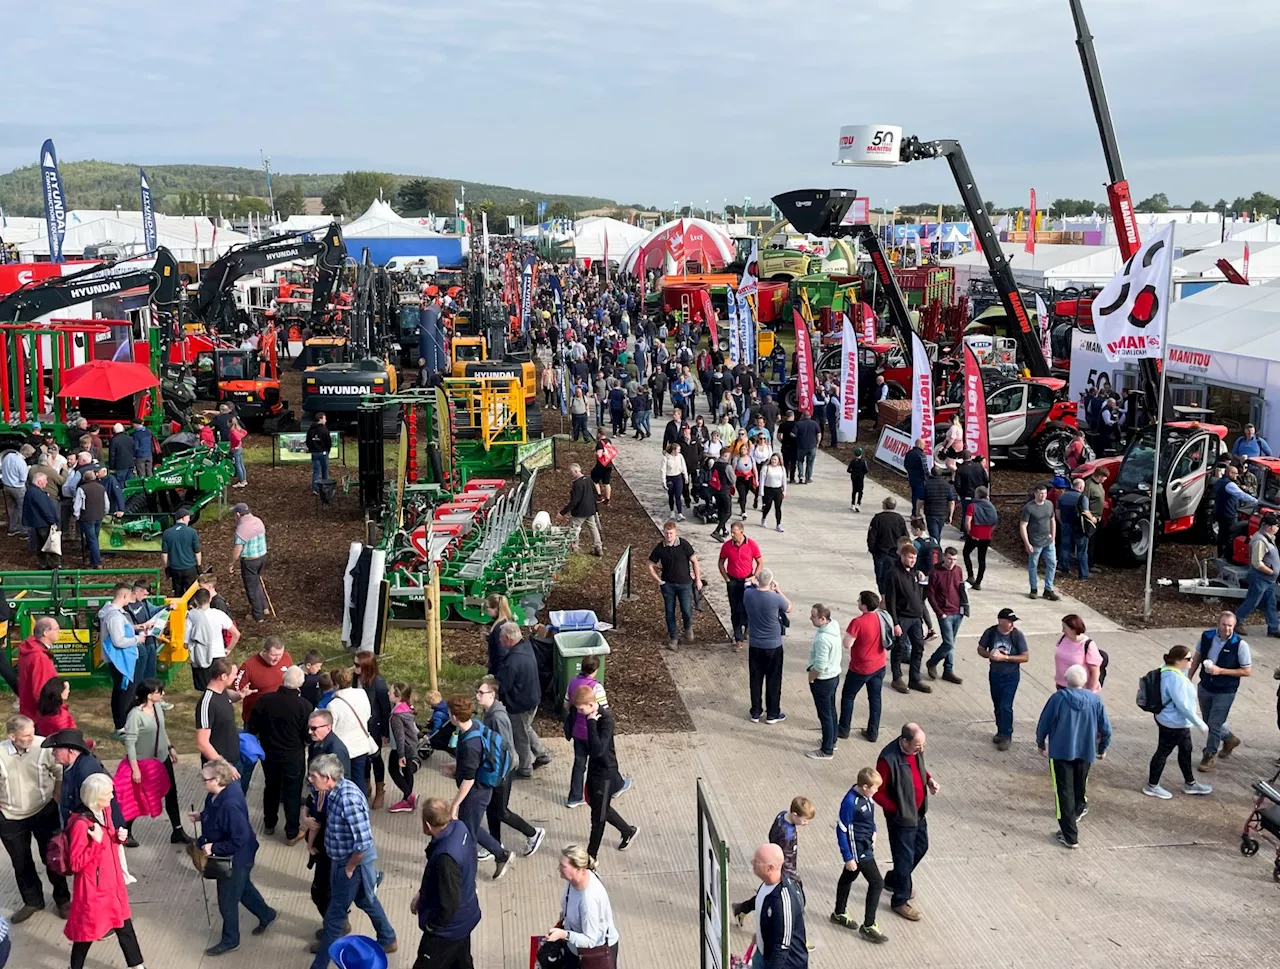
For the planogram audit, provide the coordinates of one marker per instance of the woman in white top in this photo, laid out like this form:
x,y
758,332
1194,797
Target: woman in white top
x,y
773,482
761,451
714,445
675,472
744,470
351,712
586,917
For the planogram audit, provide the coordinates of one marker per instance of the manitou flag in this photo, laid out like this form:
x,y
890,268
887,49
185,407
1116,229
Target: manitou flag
x,y
735,335
1042,317
868,323
849,381
1031,226
921,398
975,407
804,365
1245,273
148,214
55,200
1131,312
709,316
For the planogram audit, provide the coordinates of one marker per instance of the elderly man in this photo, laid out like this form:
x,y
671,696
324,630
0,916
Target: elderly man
x,y
78,762
29,774
250,551
76,465
39,515
904,798
1223,659
520,689
780,935
1073,730
89,507
35,664
279,720
765,605
581,509
13,474
348,842
121,456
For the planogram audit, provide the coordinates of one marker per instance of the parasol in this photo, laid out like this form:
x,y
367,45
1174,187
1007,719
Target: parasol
x,y
106,380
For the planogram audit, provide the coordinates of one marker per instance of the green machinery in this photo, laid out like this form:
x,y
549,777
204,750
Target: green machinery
x,y
73,597
191,479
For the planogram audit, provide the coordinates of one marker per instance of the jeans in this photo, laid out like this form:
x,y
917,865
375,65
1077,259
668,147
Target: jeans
x,y
237,460
804,464
148,651
737,611
579,423
675,493
122,475
910,646
14,498
251,575
527,742
948,626
935,528
1070,780
1262,592
472,812
1171,739
683,592
90,530
642,422
236,891
319,469
1214,707
579,770
343,891
1050,557
1004,685
908,846
853,682
824,701
765,670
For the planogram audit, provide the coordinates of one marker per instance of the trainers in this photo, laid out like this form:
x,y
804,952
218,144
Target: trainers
x,y
569,803
688,635
1195,787
265,924
951,677
778,719
872,933
535,841
222,948
501,867
900,685
932,670
845,919
818,755
483,854
626,786
1052,597
1228,745
401,806
857,508
1062,840
625,843
1155,790
679,518
779,529
755,718
842,733
1083,811
542,761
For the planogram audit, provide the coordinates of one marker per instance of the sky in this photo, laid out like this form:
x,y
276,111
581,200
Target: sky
x,y
661,101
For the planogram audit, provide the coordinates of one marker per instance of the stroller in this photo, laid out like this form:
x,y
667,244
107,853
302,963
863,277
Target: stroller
x,y
1265,817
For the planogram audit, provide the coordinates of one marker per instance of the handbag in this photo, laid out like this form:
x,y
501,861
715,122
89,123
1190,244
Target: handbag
x,y
53,544
216,868
363,725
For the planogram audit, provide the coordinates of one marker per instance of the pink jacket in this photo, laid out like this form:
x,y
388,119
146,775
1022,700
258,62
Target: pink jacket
x,y
99,898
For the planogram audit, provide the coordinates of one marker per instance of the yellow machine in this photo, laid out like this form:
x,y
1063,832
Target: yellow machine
x,y
469,358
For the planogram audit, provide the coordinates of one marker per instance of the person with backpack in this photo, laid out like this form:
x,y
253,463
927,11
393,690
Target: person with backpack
x,y
483,760
1167,693
1074,648
603,777
495,719
1073,731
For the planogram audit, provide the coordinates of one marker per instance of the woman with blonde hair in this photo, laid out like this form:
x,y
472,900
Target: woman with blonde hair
x,y
586,915
499,612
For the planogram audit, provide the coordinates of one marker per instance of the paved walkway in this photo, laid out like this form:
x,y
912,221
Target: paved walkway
x,y
1156,882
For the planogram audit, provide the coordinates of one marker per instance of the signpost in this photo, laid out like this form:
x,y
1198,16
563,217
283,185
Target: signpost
x,y
621,582
892,448
538,453
713,887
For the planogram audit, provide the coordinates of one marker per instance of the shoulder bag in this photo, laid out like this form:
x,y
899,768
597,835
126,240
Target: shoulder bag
x,y
363,726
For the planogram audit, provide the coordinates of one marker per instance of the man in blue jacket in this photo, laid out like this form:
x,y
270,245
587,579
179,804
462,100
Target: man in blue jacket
x,y
1075,727
1223,659
780,937
39,514
1249,445
446,904
520,689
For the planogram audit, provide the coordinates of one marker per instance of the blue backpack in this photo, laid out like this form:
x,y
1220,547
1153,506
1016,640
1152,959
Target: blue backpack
x,y
495,764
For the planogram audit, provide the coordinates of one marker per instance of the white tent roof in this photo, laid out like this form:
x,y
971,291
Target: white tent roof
x,y
179,234
1264,261
1050,265
590,236
1243,320
301,223
669,232
380,222
1254,231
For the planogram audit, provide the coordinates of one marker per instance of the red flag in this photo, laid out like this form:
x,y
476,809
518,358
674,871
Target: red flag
x,y
1245,274
1031,229
640,264
709,314
975,407
977,238
804,365
868,323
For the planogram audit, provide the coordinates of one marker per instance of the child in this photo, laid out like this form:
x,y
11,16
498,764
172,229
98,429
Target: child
x,y
439,708
785,834
403,761
312,666
575,727
856,835
857,478
324,683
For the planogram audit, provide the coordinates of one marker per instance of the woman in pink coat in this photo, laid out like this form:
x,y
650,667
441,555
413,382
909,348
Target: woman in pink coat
x,y
99,900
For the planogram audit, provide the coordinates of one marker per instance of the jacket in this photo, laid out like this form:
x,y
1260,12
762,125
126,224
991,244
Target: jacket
x,y
224,824
143,443
1179,697
38,509
1075,724
898,795
403,730
947,593
855,826
1228,659
903,595
279,721
497,719
582,499
35,669
120,453
518,683
118,640
602,759
379,708
319,440
782,928
969,477
938,496
72,777
884,531
824,653
916,467
99,898
447,904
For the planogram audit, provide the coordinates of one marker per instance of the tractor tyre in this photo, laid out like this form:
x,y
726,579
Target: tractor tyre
x,y
138,503
1206,529
1132,544
1050,449
177,443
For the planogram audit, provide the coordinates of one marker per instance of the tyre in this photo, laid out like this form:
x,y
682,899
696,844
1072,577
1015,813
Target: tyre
x,y
1248,846
177,443
1206,529
1137,541
138,503
1050,449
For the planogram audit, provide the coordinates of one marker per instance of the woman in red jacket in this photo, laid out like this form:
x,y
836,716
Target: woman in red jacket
x,y
52,714
99,899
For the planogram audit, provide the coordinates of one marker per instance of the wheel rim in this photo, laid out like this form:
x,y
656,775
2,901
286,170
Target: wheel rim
x,y
1054,453
1140,539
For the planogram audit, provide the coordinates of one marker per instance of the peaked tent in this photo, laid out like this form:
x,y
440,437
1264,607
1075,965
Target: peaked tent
x,y
1051,266
590,235
1202,267
671,244
380,222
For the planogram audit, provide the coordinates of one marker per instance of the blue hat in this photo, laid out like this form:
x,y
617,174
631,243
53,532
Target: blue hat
x,y
357,952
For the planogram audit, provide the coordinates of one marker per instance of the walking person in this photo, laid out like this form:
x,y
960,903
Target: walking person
x,y
773,481
319,442
856,837
1004,646
145,738
403,759
1173,725
446,905
351,713
740,559
581,509
904,798
250,553
586,922
1264,565
979,525
1039,529
279,721
482,762
808,432
1072,732
495,719
857,470
578,414
29,774
904,601
225,830
824,677
780,935
744,478
950,601
969,477
89,507
681,575
675,474
787,444
1074,648
785,833
867,637
370,680
916,465
1223,659
884,532
603,777
765,604
939,502
576,726
520,689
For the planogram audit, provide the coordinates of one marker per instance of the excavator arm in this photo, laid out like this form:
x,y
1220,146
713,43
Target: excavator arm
x,y
160,279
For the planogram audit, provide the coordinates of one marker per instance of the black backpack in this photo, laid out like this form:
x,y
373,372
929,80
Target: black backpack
x,y
1150,698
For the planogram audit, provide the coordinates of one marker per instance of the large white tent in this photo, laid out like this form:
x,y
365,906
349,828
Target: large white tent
x,y
679,240
592,238
189,238
1051,266
380,222
1192,272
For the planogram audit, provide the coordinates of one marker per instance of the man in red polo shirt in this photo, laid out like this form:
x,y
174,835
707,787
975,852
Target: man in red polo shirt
x,y
262,673
867,638
740,560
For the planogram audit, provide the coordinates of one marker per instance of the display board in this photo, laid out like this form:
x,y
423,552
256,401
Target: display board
x,y
713,888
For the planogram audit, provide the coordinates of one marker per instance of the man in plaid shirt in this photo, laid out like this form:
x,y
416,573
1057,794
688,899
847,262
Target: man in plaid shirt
x,y
348,841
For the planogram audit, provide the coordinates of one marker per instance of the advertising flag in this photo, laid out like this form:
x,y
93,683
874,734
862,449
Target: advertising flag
x,y
1031,227
921,397
708,312
55,201
1042,317
849,381
1131,312
735,335
804,365
746,331
1245,274
750,273
975,407
868,323
148,214
526,293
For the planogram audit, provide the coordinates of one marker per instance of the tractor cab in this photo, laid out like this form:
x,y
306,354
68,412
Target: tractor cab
x,y
321,350
244,377
464,350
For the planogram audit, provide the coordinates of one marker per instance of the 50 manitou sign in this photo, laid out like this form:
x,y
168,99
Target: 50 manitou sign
x,y
870,145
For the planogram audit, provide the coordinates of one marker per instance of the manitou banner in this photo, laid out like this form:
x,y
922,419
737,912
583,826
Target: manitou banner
x,y
735,335
1130,314
849,382
868,323
975,407
149,238
55,200
804,365
921,398
1042,317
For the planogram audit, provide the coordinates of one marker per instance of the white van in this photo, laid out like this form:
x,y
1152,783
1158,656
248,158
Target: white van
x,y
418,265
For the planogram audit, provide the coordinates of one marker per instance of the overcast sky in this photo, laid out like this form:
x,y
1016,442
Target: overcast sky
x,y
656,101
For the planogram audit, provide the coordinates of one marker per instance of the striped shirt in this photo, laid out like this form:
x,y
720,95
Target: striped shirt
x,y
251,534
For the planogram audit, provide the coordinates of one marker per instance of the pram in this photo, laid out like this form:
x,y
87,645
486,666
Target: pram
x,y
1265,817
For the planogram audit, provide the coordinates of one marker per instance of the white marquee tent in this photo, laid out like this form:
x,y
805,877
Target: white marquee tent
x,y
693,237
1264,262
189,238
380,222
592,238
1055,267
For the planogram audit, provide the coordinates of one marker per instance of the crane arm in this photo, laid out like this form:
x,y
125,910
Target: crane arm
x,y
160,279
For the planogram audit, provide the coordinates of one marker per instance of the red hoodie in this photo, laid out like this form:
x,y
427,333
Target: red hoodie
x,y
35,669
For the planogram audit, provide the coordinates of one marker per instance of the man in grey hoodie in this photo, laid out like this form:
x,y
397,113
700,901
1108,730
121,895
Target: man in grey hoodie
x,y
119,649
493,714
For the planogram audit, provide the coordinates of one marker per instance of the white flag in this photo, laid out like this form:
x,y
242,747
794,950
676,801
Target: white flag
x,y
849,382
1131,312
921,398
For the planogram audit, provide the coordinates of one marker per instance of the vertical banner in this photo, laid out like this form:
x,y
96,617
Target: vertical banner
x,y
735,335
526,293
748,284
848,382
804,365
1245,274
1031,226
975,407
868,323
55,201
1042,317
148,214
921,397
606,253
484,245
708,312
746,331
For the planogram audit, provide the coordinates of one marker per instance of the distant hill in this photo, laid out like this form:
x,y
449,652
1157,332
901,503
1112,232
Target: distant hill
x,y
104,185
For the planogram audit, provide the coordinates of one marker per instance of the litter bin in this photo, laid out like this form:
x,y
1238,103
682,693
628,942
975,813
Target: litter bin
x,y
571,647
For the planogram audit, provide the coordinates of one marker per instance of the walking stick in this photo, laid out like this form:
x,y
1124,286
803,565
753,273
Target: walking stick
x,y
270,607
204,890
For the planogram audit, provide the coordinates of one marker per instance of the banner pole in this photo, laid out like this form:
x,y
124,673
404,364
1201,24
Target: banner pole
x,y
1155,481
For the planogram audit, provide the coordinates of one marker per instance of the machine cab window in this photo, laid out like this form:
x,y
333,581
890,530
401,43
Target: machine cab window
x,y
1006,401
1039,397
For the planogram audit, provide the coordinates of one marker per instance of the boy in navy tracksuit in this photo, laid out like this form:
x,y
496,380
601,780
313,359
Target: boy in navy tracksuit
x,y
855,833
783,833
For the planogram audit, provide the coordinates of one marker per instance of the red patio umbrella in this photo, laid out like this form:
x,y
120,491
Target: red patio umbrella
x,y
106,380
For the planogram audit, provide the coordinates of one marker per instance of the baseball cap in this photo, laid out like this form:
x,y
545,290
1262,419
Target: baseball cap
x,y
1007,614
240,509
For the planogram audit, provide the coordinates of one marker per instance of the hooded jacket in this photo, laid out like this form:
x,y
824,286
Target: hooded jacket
x,y
119,644
35,669
1075,725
